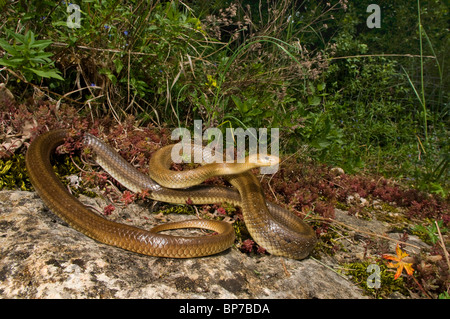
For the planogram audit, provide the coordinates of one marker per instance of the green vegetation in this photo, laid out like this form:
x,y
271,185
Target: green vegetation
x,y
358,274
29,56
430,233
12,173
359,98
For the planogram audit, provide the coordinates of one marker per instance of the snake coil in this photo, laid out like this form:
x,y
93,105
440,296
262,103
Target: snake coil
x,y
271,226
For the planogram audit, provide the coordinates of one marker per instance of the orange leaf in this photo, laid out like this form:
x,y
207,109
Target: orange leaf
x,y
400,263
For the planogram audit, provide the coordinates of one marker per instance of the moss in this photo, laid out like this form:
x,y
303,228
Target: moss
x,y
365,214
13,173
239,230
358,273
328,243
388,213
342,206
389,208
66,166
178,209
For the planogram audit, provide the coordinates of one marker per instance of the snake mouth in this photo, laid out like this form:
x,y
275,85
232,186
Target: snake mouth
x,y
262,160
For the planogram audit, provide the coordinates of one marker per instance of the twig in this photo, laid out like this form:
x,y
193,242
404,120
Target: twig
x,y
329,267
383,55
271,177
128,77
61,44
443,245
286,272
420,287
76,165
329,220
196,212
42,88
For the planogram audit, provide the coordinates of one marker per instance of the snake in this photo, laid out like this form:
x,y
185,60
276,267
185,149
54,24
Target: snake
x,y
271,226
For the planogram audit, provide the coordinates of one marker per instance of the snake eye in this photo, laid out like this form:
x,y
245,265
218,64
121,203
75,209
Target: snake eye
x,y
268,159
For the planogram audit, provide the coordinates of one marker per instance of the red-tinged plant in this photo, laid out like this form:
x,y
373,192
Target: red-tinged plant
x,y
127,197
247,246
221,211
108,210
144,194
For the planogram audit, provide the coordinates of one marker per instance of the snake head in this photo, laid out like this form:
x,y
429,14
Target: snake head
x,y
263,160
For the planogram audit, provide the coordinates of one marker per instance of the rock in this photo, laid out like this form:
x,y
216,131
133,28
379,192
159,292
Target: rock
x,y
356,199
372,226
417,244
337,171
369,229
41,257
6,97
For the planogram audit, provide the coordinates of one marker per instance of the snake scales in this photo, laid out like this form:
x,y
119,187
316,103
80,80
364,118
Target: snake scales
x,y
276,229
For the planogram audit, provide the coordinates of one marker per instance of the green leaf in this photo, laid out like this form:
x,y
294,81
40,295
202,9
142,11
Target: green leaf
x,y
59,23
321,86
110,75
242,107
29,38
8,48
43,55
42,44
314,100
14,63
47,73
119,65
17,36
320,143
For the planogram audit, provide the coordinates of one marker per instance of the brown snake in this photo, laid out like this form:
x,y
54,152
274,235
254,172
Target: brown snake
x,y
276,229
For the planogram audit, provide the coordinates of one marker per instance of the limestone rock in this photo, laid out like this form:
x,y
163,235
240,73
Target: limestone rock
x,y
41,257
